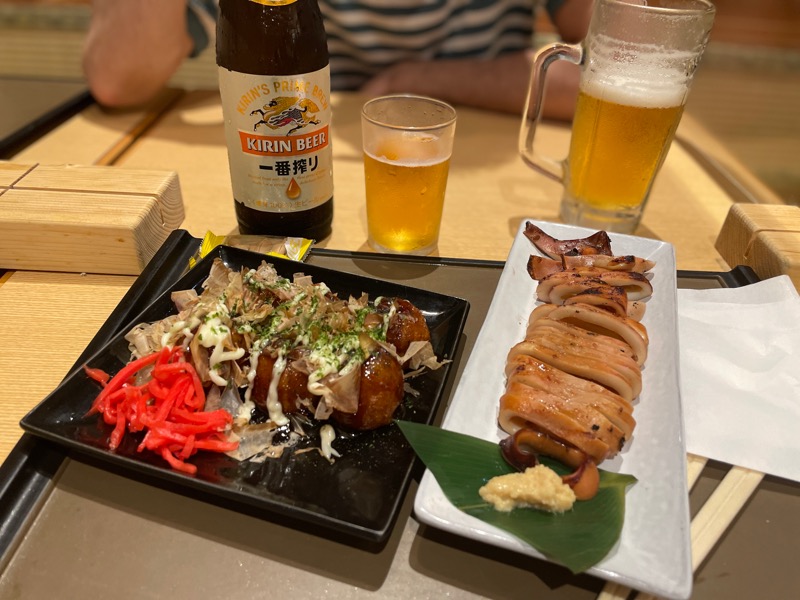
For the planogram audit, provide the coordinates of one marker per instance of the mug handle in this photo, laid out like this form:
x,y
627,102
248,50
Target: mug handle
x,y
533,107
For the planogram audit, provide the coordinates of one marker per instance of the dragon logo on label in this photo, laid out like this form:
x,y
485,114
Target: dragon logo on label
x,y
283,111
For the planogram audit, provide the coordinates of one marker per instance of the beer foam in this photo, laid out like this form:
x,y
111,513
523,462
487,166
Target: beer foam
x,y
646,90
644,75
409,149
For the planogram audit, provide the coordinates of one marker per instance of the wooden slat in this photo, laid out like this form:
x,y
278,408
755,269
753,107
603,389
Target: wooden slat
x,y
95,134
721,164
11,173
92,179
748,104
48,319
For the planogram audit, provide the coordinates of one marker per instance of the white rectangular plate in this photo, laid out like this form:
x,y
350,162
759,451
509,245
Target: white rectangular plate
x,y
653,554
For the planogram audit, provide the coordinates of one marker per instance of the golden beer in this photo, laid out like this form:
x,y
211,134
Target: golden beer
x,y
405,184
618,144
637,62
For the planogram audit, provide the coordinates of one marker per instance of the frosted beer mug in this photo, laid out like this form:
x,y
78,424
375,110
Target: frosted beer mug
x,y
637,64
407,145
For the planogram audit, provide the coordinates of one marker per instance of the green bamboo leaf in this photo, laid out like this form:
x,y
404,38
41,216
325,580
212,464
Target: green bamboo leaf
x,y
578,539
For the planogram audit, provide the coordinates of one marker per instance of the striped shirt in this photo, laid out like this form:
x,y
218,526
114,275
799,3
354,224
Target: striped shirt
x,y
366,36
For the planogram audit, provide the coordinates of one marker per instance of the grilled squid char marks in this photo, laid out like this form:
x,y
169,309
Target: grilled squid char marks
x,y
540,267
567,281
608,297
585,364
608,263
537,374
603,322
572,343
597,243
522,407
584,413
557,287
636,285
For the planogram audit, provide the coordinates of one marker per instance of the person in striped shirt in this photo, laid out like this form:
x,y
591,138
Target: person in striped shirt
x,y
468,52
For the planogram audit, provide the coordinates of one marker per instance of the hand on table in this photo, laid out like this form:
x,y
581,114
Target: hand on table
x,y
494,84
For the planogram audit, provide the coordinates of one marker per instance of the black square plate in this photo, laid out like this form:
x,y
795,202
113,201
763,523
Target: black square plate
x,y
359,495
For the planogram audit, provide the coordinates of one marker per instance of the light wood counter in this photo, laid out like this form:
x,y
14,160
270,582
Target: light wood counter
x,y
489,192
489,188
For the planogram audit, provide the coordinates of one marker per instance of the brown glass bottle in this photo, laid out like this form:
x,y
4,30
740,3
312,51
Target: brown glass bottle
x,y
275,87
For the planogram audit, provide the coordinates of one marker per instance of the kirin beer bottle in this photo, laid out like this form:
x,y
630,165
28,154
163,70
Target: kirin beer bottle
x,y
274,83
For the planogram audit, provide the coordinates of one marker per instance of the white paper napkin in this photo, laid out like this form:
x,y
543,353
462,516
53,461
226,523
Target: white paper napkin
x,y
740,375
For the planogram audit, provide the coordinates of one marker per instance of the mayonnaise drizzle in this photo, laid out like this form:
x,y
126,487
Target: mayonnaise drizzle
x,y
274,407
182,327
387,317
251,373
326,437
214,333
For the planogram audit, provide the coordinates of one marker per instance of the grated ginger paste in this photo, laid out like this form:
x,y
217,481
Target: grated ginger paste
x,y
538,487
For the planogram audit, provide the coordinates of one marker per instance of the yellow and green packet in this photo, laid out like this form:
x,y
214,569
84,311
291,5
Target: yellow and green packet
x,y
283,247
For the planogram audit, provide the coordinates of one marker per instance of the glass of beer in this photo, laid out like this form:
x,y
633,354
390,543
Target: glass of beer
x,y
407,142
637,64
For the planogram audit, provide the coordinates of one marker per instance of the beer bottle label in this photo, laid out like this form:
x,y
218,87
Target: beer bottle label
x,y
277,129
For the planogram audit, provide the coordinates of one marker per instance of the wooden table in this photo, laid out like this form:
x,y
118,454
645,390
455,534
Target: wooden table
x,y
489,191
48,318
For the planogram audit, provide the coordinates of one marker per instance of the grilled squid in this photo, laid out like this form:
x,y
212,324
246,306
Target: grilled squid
x,y
537,374
594,319
587,363
610,263
571,383
540,267
522,450
557,287
597,243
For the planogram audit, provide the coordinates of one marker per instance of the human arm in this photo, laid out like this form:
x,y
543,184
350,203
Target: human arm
x,y
133,47
496,84
571,20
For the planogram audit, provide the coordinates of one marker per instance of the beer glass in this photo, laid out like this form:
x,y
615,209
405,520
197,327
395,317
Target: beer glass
x,y
407,144
637,64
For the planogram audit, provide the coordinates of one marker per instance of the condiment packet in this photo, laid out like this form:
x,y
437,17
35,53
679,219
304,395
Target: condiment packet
x,y
283,247
740,375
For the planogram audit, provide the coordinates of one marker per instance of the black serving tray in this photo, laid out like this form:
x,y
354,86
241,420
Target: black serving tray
x,y
359,494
